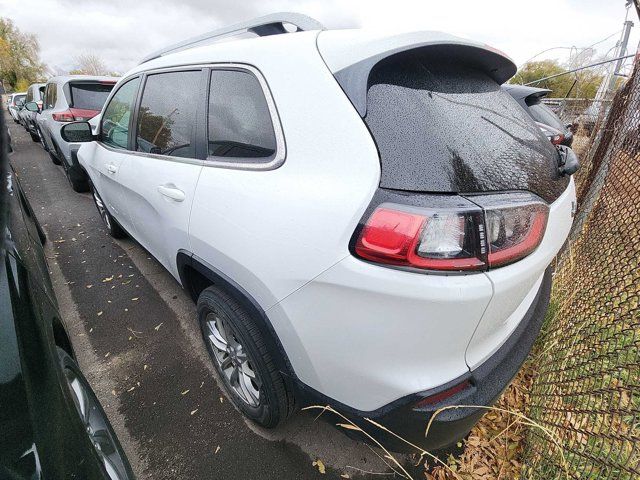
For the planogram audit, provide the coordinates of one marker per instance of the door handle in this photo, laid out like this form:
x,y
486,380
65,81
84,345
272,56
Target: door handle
x,y
171,192
112,168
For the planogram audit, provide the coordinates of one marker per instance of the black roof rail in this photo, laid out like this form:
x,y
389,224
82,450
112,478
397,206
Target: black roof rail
x,y
273,24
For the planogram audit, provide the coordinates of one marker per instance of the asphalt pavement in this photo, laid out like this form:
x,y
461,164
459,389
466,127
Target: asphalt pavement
x,y
135,333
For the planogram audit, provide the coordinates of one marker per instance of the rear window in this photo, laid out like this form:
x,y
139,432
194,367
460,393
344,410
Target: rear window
x,y
543,114
445,127
89,96
18,97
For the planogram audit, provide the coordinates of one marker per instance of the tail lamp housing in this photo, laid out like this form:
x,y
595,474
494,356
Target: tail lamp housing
x,y
488,231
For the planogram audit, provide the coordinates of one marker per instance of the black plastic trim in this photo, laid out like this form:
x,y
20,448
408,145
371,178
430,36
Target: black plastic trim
x,y
186,259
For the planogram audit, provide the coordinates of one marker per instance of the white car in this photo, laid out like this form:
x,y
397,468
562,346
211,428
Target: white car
x,y
364,219
67,99
16,101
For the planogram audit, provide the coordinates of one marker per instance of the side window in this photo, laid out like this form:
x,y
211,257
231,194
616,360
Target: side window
x,y
167,116
29,95
239,121
114,129
50,96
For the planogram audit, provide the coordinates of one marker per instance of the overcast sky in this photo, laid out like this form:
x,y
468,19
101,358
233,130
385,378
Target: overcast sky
x,y
121,32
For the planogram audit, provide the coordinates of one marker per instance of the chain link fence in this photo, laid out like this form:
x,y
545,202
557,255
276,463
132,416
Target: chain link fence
x,y
585,398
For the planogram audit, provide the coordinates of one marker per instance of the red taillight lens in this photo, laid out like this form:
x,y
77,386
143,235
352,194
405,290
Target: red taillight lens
x,y
498,230
83,114
557,139
421,239
514,232
66,116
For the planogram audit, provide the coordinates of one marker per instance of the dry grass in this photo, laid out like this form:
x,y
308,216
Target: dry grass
x,y
494,446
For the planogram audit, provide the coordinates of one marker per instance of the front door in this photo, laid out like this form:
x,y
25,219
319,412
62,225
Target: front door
x,y
111,152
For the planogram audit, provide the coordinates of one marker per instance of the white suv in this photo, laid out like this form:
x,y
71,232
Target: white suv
x,y
364,220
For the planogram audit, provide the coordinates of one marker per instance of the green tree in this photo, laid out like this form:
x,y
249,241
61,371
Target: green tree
x,y
582,84
19,56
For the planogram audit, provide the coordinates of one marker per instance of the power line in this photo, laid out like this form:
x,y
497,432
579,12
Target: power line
x,y
578,69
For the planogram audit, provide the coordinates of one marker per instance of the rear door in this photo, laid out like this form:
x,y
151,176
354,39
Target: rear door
x,y
160,176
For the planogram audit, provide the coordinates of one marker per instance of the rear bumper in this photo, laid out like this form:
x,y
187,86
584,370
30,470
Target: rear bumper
x,y
485,385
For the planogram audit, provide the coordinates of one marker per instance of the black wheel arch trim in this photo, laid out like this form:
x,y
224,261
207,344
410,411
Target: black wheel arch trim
x,y
186,260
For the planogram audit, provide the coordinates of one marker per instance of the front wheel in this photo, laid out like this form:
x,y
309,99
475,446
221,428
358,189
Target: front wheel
x,y
113,228
240,355
96,425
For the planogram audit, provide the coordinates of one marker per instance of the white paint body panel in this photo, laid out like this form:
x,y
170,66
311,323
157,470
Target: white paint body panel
x,y
362,334
516,285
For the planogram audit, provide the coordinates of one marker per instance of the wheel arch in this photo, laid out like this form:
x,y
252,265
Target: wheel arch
x,y
196,275
61,337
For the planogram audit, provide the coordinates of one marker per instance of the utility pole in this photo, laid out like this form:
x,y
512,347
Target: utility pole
x,y
621,53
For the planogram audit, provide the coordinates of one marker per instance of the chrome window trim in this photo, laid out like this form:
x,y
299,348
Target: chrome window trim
x,y
192,161
279,156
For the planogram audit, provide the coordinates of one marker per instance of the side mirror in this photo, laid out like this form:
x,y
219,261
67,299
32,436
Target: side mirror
x,y
32,107
568,164
77,132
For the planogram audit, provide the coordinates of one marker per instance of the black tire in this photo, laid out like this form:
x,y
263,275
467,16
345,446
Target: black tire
x,y
111,453
275,401
34,137
54,159
113,228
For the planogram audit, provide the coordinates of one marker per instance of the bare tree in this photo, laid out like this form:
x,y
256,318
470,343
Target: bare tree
x,y
90,64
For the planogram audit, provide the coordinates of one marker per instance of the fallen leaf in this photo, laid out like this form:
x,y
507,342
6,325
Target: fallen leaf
x,y
320,465
193,411
100,313
107,279
185,392
134,299
89,286
217,449
131,389
157,327
145,366
107,354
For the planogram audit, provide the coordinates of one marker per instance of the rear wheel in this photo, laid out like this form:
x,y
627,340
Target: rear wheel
x,y
239,354
35,137
113,228
96,425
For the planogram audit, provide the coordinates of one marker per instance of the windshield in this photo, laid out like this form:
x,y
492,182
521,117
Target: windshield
x,y
90,96
450,128
543,114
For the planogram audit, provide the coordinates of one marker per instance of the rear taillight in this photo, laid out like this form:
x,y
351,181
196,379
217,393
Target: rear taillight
x,y
39,103
497,230
66,116
83,114
557,139
515,226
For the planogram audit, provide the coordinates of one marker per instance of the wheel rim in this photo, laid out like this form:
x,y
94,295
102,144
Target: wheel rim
x,y
97,427
102,210
233,360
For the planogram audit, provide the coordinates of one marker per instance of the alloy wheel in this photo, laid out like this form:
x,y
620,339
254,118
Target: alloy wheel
x,y
96,426
233,360
102,209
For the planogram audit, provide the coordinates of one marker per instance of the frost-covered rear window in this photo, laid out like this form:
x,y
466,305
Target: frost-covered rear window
x,y
441,126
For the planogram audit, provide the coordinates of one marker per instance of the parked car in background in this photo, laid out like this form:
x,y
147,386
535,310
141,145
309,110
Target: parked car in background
x,y
342,246
16,102
52,424
530,99
35,93
67,99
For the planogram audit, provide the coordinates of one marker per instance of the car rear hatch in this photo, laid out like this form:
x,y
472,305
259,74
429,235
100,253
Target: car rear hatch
x,y
435,109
